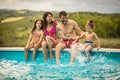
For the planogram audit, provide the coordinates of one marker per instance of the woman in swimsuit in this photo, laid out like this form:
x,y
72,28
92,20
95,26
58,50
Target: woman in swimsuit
x,y
50,34
35,38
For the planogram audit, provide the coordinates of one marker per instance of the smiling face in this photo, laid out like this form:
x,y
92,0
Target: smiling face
x,y
88,29
49,18
63,19
38,25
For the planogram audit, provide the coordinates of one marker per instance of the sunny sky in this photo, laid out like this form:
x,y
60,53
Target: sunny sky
x,y
102,6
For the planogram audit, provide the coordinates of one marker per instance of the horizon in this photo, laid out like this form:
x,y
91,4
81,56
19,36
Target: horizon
x,y
61,10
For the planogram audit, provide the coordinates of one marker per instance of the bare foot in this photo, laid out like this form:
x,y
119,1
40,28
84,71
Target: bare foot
x,y
88,60
51,56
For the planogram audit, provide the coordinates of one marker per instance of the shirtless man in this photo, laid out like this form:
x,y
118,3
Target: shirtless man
x,y
68,29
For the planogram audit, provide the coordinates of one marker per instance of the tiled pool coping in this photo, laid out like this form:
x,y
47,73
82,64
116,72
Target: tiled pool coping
x,y
66,49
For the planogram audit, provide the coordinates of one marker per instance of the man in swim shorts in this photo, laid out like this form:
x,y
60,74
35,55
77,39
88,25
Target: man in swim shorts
x,y
68,29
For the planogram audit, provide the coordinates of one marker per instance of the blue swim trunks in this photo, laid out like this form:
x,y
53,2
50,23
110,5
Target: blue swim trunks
x,y
89,43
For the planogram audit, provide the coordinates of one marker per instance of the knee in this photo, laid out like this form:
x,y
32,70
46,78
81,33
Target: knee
x,y
47,38
44,44
26,48
57,48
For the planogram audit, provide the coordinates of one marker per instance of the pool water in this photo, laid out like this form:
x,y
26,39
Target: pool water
x,y
103,66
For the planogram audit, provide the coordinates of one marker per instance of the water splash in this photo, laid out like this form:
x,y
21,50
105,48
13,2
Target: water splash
x,y
77,49
100,64
12,68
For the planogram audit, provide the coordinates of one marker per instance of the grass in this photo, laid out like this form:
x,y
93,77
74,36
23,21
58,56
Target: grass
x,y
16,33
108,42
11,19
111,43
21,42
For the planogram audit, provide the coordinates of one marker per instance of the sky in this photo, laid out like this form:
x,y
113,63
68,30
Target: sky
x,y
102,6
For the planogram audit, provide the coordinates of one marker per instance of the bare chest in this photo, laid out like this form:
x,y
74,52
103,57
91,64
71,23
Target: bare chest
x,y
89,36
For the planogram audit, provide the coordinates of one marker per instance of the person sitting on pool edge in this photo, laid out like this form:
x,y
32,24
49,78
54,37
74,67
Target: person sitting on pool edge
x,y
67,29
89,37
50,32
35,38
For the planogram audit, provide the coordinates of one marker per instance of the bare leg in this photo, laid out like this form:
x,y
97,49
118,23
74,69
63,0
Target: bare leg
x,y
72,58
51,54
87,50
50,43
72,54
44,49
34,53
59,47
26,53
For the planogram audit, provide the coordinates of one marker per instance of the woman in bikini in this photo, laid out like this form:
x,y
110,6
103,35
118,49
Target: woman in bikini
x,y
35,38
50,34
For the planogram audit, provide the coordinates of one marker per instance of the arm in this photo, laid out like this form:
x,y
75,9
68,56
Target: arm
x,y
79,37
98,41
60,32
77,29
29,39
41,38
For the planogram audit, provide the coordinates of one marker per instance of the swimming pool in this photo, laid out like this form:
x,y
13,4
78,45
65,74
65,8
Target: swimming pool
x,y
104,65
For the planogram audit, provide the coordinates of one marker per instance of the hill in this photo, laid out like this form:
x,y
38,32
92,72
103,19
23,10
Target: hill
x,y
16,33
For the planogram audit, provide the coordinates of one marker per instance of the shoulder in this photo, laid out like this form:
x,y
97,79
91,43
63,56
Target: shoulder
x,y
72,21
59,25
93,33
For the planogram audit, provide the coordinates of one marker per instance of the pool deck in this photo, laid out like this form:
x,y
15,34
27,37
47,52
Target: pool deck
x,y
66,49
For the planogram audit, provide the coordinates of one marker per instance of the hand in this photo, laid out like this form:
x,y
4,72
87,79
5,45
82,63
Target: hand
x,y
77,37
98,47
47,37
74,41
61,35
36,45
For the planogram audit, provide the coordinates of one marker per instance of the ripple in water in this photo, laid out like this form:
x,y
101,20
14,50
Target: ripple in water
x,y
99,68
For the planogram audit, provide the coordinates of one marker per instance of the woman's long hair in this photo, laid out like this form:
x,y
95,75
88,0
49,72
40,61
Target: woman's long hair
x,y
44,19
34,27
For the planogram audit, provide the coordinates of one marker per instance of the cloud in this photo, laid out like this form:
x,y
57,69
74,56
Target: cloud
x,y
103,6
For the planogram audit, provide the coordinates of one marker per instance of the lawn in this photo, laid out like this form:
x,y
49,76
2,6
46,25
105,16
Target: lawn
x,y
108,43
11,19
14,31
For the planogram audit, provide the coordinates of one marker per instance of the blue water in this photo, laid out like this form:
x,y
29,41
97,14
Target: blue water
x,y
103,66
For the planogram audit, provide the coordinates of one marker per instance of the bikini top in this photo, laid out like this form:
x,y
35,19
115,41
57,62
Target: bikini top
x,y
52,30
36,34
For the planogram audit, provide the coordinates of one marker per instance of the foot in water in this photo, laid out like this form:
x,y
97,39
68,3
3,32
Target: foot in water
x,y
51,56
87,60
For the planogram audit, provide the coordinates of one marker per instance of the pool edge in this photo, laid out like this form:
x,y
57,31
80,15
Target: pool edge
x,y
66,49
